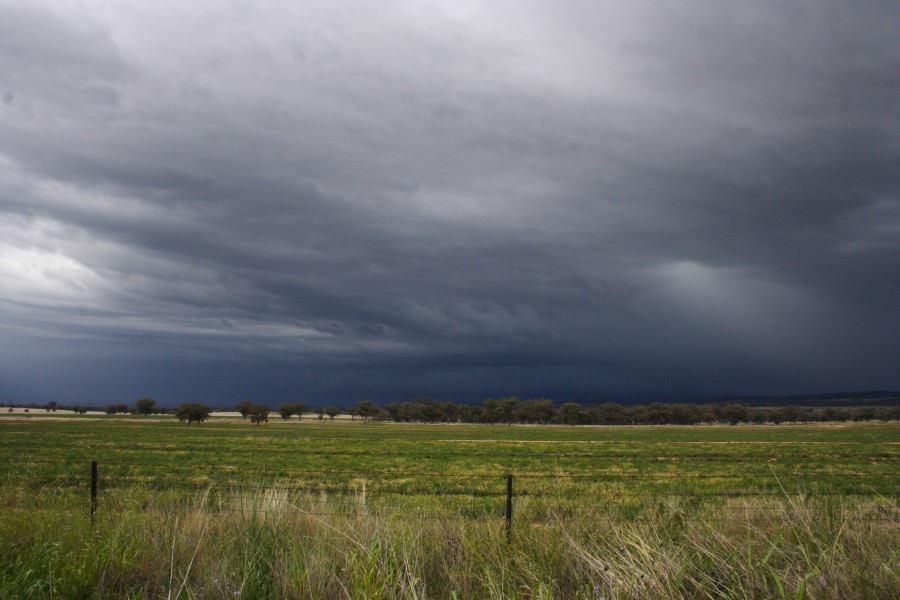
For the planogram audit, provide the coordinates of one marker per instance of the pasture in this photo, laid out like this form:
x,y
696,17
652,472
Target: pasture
x,y
344,510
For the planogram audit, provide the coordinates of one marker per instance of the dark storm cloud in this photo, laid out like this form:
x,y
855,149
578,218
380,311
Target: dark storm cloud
x,y
341,200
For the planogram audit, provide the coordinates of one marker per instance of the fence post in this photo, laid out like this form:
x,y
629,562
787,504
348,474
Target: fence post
x,y
93,489
508,508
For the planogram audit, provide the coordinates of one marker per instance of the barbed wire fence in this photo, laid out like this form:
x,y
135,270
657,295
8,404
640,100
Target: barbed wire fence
x,y
503,496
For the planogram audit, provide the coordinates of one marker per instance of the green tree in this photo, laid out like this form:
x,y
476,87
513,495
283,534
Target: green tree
x,y
425,409
145,406
792,414
657,414
539,410
502,410
447,411
192,412
736,413
243,407
331,411
489,411
258,413
366,409
285,410
610,413
570,413
300,408
507,408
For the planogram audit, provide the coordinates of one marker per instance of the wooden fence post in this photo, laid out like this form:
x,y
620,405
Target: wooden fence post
x,y
93,489
508,508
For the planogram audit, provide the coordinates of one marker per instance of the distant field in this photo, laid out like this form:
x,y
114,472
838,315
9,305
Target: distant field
x,y
573,468
570,479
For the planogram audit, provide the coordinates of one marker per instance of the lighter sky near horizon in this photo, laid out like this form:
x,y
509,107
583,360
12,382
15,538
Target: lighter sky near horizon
x,y
332,201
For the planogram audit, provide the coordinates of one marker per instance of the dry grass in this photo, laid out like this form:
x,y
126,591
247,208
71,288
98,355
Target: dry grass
x,y
267,548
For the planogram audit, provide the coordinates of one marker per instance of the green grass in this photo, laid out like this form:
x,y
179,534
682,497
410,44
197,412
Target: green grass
x,y
353,510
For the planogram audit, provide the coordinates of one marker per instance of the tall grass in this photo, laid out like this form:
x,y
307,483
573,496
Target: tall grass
x,y
268,546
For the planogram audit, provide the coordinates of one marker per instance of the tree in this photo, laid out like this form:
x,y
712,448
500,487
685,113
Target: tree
x,y
145,406
736,413
426,409
469,413
791,414
404,412
447,411
331,411
300,408
657,414
610,413
503,409
366,409
759,415
113,409
539,410
489,412
243,407
258,413
570,413
285,410
192,412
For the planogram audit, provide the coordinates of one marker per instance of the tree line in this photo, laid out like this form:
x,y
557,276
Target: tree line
x,y
544,411
513,410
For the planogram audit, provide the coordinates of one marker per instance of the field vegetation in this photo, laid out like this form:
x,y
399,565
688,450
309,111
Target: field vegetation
x,y
321,509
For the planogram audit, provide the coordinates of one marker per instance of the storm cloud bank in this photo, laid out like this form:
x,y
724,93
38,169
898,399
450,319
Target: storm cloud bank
x,y
342,200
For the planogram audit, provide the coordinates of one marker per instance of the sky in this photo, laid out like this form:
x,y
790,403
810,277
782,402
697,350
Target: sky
x,y
344,200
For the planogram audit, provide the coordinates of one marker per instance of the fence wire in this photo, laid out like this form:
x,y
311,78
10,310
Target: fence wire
x,y
384,493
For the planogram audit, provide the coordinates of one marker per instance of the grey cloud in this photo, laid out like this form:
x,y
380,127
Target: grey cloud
x,y
582,200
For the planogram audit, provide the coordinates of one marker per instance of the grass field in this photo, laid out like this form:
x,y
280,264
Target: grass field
x,y
335,510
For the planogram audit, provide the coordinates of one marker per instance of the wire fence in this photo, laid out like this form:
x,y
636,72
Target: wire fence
x,y
601,495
